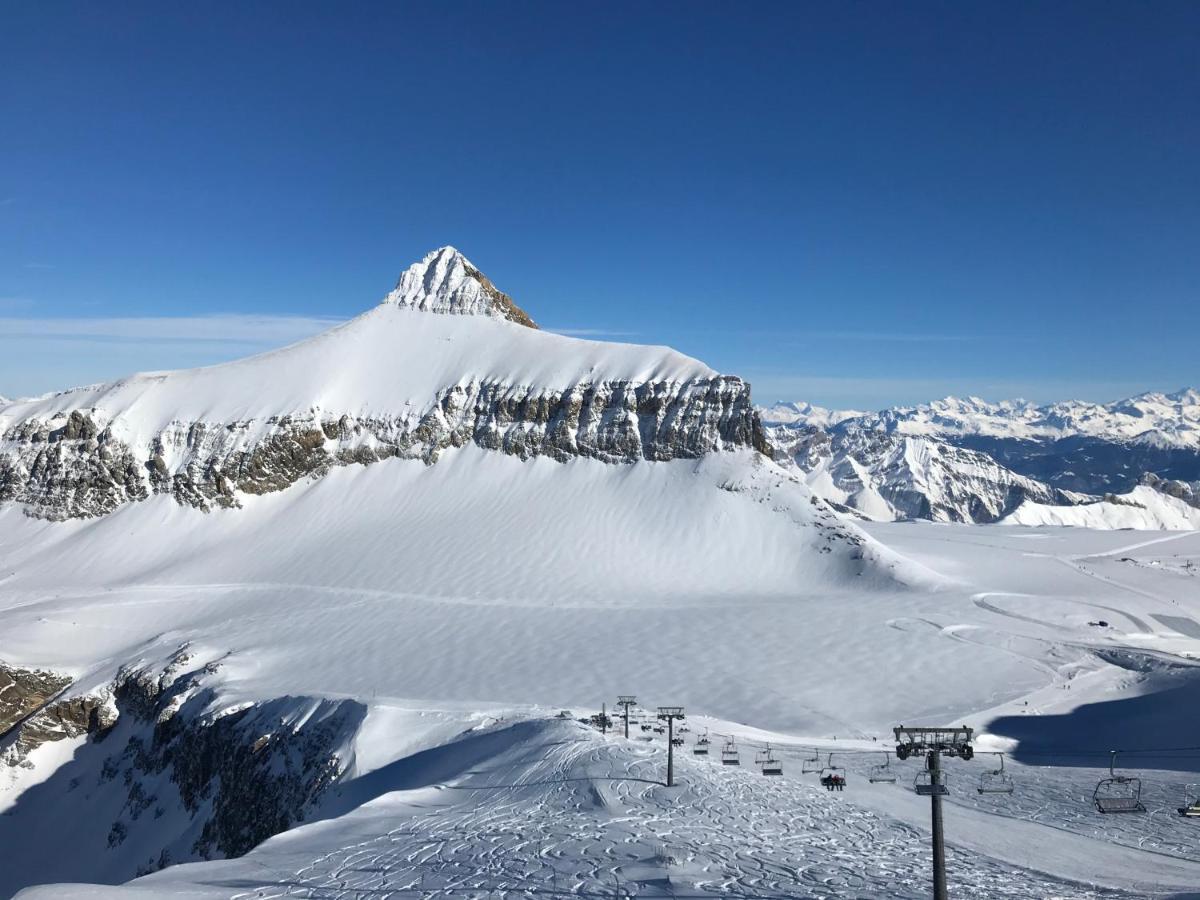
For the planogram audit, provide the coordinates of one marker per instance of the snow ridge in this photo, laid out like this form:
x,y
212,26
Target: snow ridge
x,y
446,361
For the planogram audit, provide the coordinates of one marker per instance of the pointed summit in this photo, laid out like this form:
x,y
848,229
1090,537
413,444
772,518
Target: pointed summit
x,y
446,282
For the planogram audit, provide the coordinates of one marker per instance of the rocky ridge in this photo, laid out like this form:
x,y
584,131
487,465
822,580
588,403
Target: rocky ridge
x,y
174,780
885,475
76,455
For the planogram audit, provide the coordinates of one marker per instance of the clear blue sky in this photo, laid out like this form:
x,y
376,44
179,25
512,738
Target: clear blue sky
x,y
851,203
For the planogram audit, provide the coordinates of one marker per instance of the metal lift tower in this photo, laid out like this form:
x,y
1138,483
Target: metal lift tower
x,y
625,701
933,742
670,714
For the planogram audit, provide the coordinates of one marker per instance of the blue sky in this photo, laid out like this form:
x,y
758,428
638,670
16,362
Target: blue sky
x,y
856,204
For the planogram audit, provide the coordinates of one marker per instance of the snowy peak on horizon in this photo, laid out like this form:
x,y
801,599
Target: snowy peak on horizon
x,y
806,414
446,282
1154,418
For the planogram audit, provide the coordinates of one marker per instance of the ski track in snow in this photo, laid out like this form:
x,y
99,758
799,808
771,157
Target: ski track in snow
x,y
725,831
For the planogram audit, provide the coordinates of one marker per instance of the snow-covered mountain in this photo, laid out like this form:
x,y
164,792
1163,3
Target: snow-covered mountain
x,y
970,460
807,414
1155,504
886,476
344,588
1154,419
445,360
433,500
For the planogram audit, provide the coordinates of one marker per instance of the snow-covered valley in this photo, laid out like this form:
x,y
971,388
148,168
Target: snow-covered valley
x,y
335,597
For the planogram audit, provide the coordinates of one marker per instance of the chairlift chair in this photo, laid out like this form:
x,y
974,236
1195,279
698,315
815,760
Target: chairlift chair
x,y
1191,802
997,781
1118,793
730,755
883,774
811,766
767,762
833,778
925,786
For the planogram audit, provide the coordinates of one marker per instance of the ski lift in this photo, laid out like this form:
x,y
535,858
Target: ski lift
x,y
996,781
1191,802
925,786
833,778
730,755
768,763
676,741
811,766
701,746
883,774
1118,793
646,726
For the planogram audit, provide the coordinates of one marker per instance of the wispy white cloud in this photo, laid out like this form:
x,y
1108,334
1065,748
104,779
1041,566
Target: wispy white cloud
x,y
591,332
242,329
887,336
43,354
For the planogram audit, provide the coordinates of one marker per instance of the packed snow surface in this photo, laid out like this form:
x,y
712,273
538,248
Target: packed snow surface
x,y
553,806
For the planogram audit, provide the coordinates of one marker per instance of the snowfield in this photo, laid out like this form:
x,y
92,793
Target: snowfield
x,y
470,794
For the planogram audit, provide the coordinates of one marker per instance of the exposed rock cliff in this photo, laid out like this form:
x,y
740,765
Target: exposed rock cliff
x,y
402,381
164,775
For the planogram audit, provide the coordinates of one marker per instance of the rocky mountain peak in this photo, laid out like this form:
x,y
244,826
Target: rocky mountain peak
x,y
446,282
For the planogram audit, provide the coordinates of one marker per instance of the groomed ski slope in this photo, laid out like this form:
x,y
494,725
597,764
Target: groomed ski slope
x,y
548,806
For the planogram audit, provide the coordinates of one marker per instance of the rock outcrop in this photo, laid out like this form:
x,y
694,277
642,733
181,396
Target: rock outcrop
x,y
166,773
400,381
72,466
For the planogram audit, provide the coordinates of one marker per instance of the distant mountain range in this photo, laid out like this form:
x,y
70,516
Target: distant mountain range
x,y
974,461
